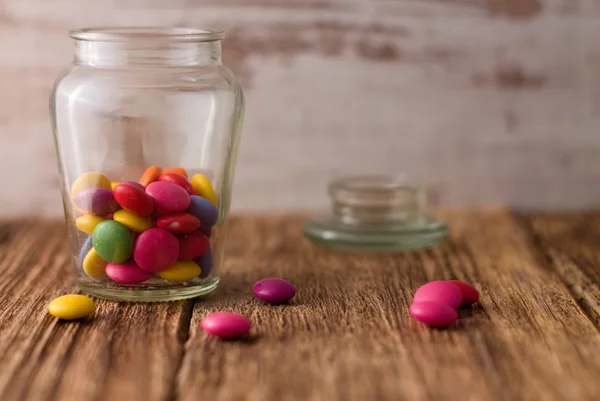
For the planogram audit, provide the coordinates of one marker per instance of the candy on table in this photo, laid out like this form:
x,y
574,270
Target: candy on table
x,y
470,295
96,201
94,266
168,197
176,170
133,199
127,273
155,249
150,175
193,245
113,241
71,307
87,223
181,271
204,210
178,223
439,291
135,223
226,325
274,290
205,263
202,186
88,181
433,314
177,180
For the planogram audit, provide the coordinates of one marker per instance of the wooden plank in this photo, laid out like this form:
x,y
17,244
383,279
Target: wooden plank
x,y
570,244
124,352
347,335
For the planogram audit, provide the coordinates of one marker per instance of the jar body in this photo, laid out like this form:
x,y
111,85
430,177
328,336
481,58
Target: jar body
x,y
124,123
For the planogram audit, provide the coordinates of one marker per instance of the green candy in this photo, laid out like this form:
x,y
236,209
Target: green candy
x,y
112,241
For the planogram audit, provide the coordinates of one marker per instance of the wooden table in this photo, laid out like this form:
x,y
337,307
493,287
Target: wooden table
x,y
347,335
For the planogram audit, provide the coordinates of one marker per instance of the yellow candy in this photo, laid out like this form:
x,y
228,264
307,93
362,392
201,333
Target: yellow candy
x,y
134,222
202,187
94,266
90,180
88,222
71,307
184,270
114,184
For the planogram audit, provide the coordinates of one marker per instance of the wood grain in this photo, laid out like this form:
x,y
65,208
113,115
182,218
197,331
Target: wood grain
x,y
488,101
345,336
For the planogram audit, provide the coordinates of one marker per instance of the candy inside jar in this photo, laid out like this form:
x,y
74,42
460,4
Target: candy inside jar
x,y
145,235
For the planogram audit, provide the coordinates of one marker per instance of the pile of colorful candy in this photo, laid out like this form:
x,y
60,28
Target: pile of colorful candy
x,y
435,303
157,227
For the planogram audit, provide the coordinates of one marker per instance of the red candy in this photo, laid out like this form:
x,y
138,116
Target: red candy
x,y
133,199
155,250
179,223
227,325
469,294
439,291
193,245
433,314
178,180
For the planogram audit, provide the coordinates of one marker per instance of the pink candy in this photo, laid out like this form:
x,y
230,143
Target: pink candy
x,y
442,292
126,273
226,325
155,250
168,197
435,303
274,290
433,314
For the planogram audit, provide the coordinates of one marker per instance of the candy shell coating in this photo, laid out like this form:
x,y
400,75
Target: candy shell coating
x,y
113,184
87,223
89,180
71,307
181,271
135,223
127,273
94,266
439,291
433,314
168,197
204,210
193,245
178,223
96,201
177,170
205,263
135,184
112,241
150,175
274,290
226,325
133,199
155,249
177,180
202,187
470,295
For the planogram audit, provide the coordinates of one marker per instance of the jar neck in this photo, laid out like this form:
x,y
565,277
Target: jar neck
x,y
376,201
147,53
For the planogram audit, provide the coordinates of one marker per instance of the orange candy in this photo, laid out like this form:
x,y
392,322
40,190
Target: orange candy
x,y
150,175
176,170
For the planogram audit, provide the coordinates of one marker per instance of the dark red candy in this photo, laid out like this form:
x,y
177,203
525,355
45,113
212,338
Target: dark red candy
x,y
133,199
178,223
207,231
177,179
193,245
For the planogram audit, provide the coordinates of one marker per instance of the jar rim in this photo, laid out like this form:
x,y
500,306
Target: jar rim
x,y
130,33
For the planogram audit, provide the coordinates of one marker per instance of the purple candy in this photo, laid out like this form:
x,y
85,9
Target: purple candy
x,y
96,201
204,210
274,290
226,325
205,263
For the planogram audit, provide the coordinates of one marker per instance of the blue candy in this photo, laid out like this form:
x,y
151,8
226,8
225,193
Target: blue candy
x,y
205,263
204,210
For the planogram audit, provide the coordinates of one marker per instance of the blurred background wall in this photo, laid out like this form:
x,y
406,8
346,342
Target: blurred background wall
x,y
488,101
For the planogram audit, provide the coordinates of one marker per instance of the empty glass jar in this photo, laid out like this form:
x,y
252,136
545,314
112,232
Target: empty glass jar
x,y
146,124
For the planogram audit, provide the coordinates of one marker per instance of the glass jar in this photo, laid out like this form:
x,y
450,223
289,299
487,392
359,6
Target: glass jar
x,y
146,124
